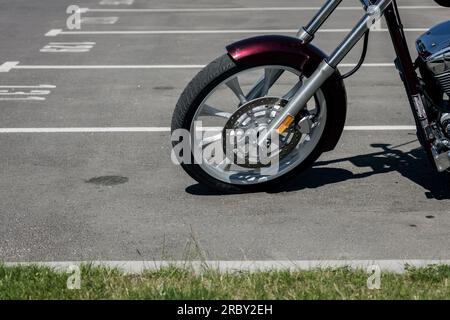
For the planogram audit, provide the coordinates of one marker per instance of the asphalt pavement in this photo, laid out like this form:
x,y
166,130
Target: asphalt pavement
x,y
116,195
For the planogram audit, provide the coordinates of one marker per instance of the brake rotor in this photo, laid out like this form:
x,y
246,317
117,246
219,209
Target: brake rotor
x,y
254,117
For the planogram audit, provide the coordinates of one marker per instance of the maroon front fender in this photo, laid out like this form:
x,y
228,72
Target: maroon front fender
x,y
289,51
278,49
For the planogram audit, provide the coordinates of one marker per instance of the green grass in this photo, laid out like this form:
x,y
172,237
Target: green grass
x,y
34,282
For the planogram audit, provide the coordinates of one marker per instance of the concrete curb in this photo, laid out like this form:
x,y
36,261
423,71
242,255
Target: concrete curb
x,y
395,266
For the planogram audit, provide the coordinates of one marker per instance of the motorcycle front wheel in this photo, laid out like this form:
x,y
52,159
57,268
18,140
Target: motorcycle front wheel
x,y
226,95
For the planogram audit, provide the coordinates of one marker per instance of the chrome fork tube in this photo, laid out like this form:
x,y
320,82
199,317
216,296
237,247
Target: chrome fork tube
x,y
325,70
307,32
373,12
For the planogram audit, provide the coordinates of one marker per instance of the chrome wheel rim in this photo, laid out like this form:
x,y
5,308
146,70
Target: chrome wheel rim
x,y
236,92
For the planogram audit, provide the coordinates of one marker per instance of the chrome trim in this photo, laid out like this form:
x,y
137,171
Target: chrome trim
x,y
300,98
439,65
307,32
419,106
442,160
327,68
304,35
358,32
207,131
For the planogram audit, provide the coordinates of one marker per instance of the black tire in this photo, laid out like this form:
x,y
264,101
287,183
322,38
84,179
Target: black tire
x,y
221,69
443,3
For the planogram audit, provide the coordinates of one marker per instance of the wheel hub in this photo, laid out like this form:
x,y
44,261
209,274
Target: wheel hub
x,y
243,127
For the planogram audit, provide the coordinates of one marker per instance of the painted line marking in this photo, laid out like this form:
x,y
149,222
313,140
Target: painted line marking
x,y
23,99
379,128
56,32
99,20
116,2
81,67
85,130
167,129
15,65
367,65
68,47
185,10
41,86
53,32
25,93
7,66
395,266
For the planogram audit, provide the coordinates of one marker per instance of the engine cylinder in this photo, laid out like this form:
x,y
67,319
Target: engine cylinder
x,y
434,49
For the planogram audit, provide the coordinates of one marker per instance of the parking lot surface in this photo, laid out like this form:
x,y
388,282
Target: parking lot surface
x,y
75,187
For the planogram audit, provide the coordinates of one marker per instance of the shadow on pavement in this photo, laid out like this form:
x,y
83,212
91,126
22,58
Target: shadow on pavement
x,y
412,165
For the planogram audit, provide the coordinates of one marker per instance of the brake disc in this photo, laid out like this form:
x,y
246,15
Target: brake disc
x,y
254,117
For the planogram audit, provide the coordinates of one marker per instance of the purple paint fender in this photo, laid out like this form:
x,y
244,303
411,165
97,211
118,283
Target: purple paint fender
x,y
290,51
277,49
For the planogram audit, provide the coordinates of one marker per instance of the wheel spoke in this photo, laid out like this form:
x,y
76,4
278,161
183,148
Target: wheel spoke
x,y
270,77
224,164
207,110
261,92
207,141
293,91
263,85
234,85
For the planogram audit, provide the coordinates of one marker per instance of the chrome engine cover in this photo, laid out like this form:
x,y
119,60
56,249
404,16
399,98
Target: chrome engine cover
x,y
434,49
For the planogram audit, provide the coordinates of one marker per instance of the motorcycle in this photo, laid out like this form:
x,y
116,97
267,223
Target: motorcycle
x,y
292,98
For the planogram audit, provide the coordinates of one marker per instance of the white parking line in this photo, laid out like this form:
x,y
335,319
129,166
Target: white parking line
x,y
53,33
21,93
42,86
395,266
116,2
167,129
25,93
76,67
85,130
367,65
99,20
8,66
379,128
57,32
68,47
186,10
23,99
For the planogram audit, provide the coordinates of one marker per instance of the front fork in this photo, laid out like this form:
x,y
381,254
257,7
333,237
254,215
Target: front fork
x,y
430,139
374,10
328,67
306,34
